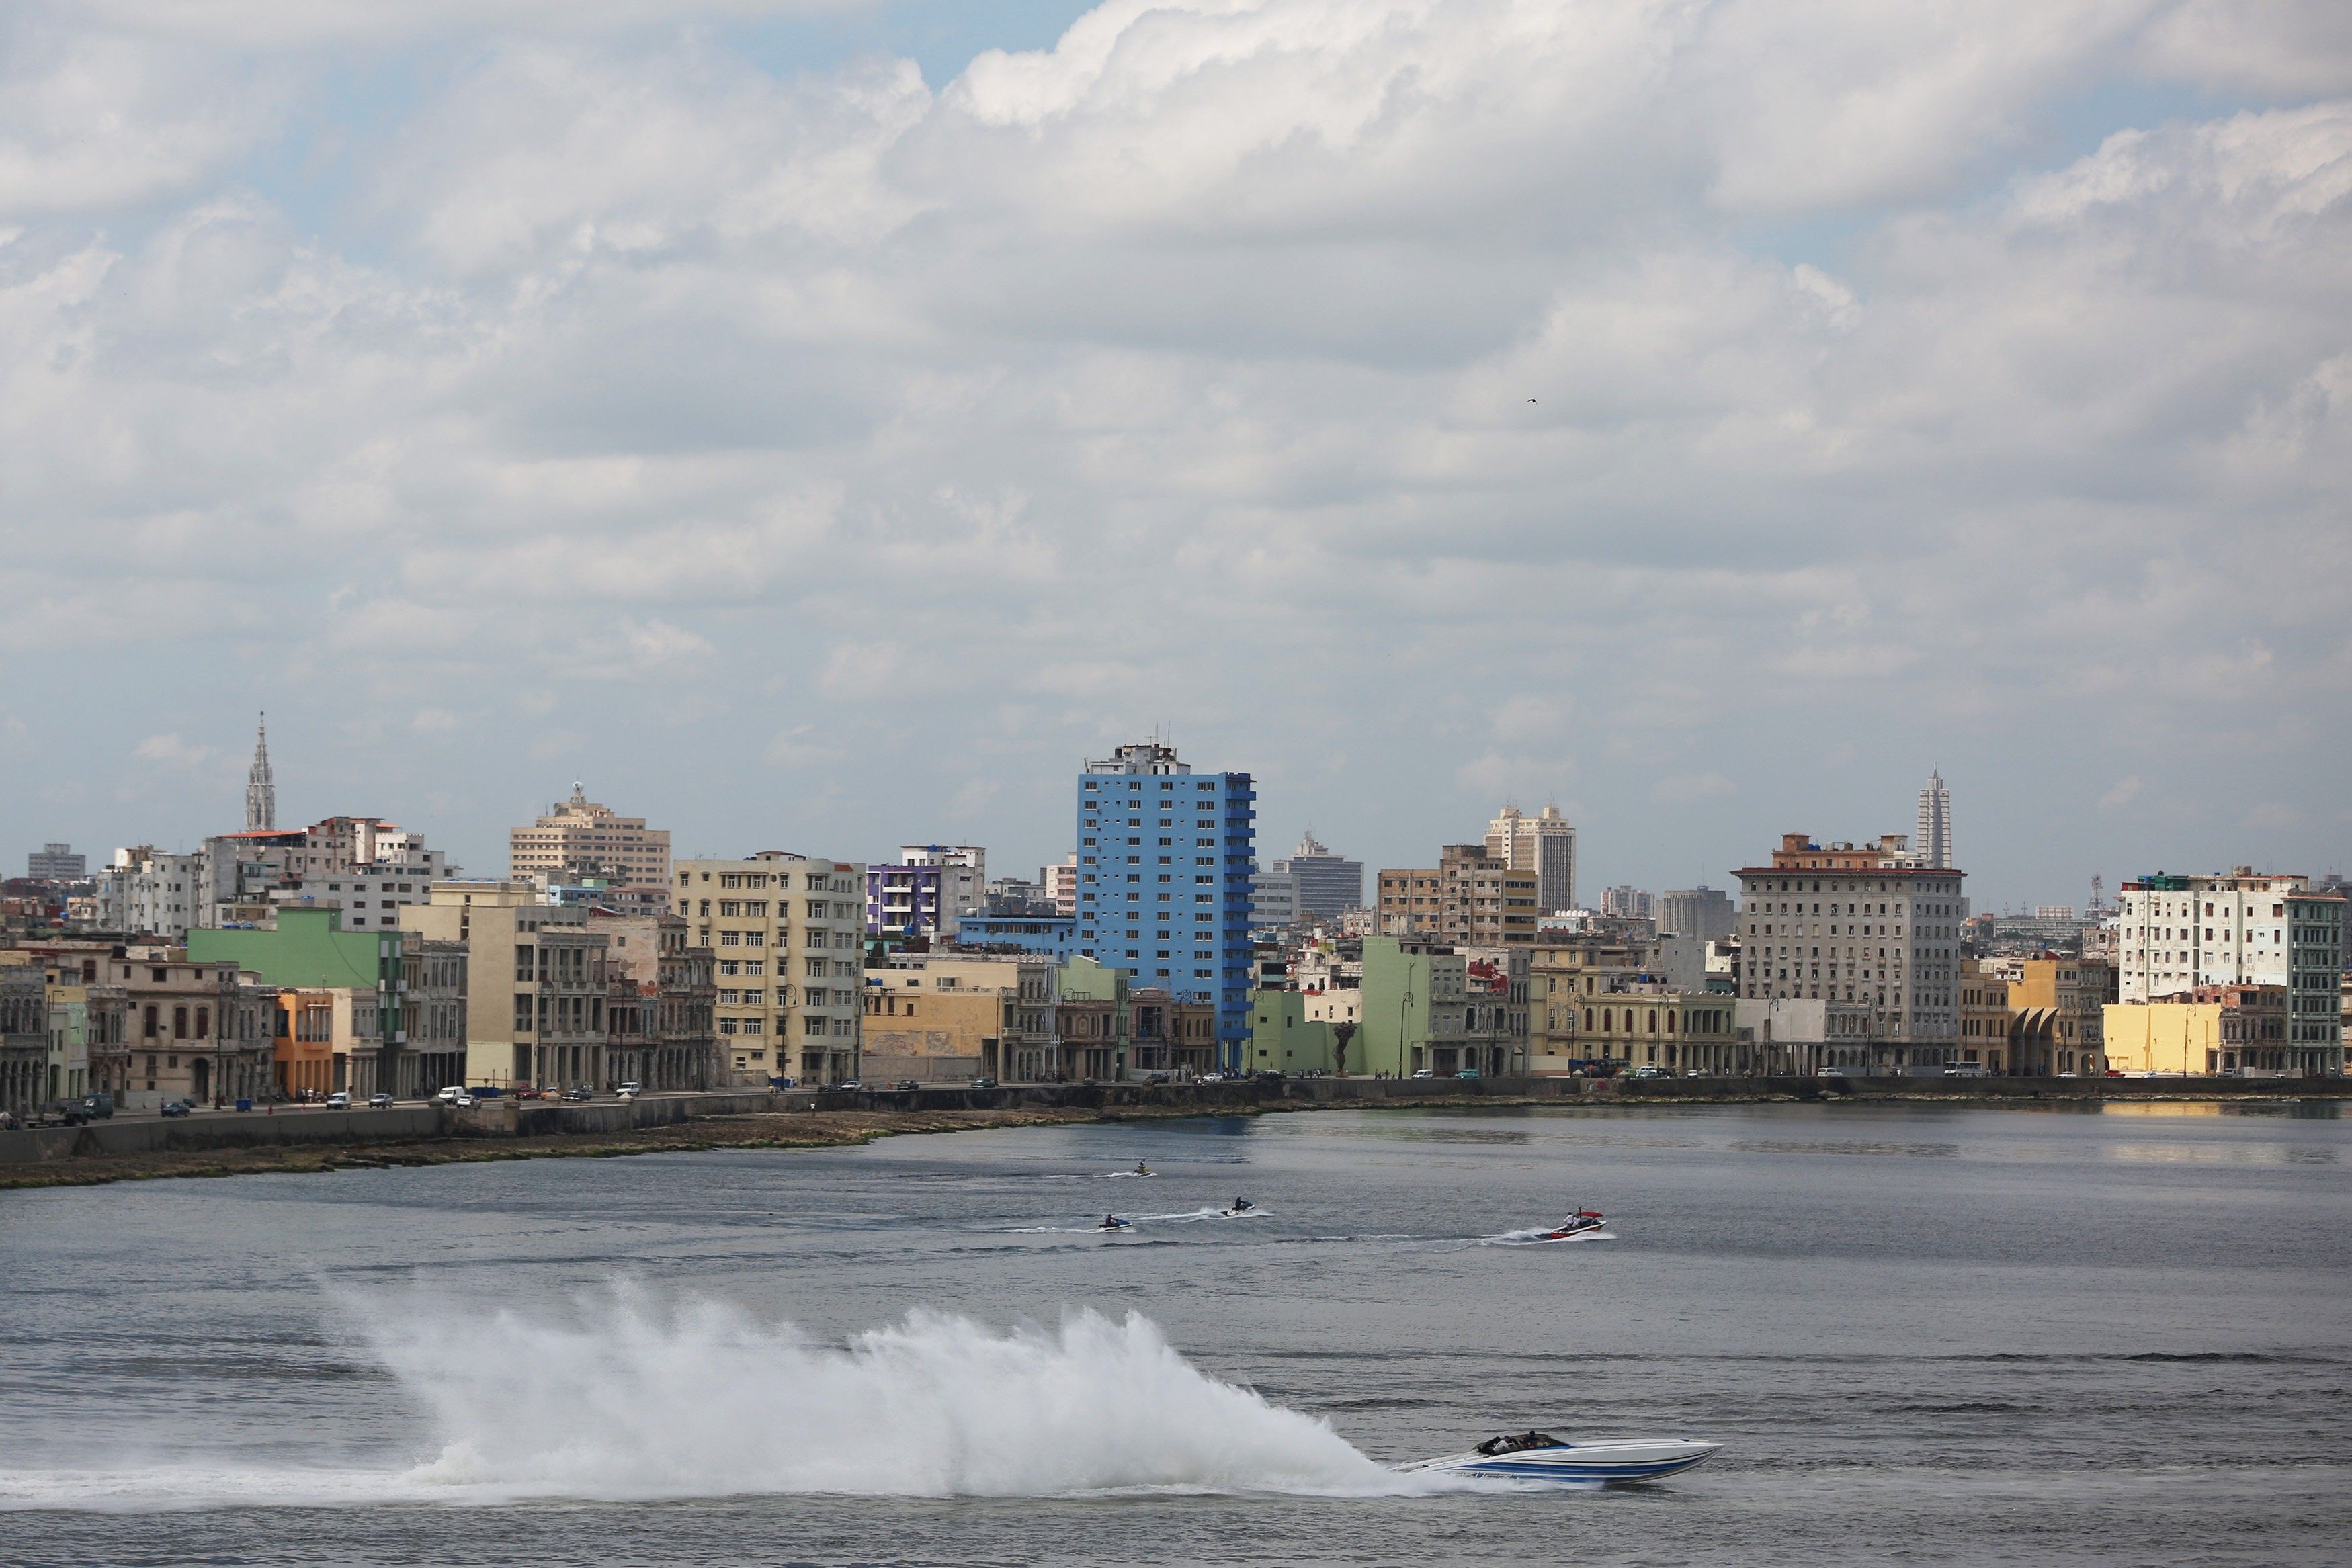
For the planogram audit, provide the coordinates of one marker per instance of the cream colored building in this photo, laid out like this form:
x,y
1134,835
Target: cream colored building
x,y
788,933
1627,1024
578,834
938,1018
535,982
1544,844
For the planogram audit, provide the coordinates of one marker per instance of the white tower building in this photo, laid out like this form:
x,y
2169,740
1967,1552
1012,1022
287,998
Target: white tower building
x,y
1934,842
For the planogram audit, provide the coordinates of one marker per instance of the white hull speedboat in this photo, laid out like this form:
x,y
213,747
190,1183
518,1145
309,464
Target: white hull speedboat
x,y
1609,1461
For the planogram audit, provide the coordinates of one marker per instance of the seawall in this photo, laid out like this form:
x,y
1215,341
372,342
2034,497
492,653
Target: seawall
x,y
505,1119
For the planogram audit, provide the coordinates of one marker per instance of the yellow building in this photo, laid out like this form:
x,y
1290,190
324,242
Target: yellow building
x,y
2226,1030
2059,1027
788,931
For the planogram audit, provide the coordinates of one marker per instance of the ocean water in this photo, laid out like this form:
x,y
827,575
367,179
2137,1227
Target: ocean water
x,y
1928,1334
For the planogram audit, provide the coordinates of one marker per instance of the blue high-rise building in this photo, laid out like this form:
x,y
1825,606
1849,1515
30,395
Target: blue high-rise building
x,y
1164,857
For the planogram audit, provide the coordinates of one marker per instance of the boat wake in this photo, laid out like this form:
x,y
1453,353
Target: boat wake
x,y
1544,1236
1186,1216
627,1397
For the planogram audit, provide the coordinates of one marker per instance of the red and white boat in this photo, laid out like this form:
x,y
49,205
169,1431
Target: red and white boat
x,y
1584,1225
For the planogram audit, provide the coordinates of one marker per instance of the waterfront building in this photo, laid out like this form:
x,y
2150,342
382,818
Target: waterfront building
x,y
535,978
1862,924
787,931
1627,1023
1420,1012
1170,1037
660,1002
197,1031
354,976
2179,933
1544,844
580,834
1806,1035
1935,836
1284,1039
1704,912
1164,860
433,1013
2213,1031
1986,1015
948,1018
2057,1022
1322,884
328,1040
24,1038
1094,1022
56,863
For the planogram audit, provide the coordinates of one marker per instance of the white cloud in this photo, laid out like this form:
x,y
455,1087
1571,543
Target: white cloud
x,y
2125,790
1182,372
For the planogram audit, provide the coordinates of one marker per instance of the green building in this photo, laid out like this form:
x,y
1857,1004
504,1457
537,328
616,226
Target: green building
x,y
1093,1017
1416,995
1283,1039
310,947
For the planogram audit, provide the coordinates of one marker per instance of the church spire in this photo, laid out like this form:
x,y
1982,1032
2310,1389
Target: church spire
x,y
260,790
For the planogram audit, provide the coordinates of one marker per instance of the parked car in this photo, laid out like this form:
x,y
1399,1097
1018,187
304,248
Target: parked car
x,y
1647,1071
339,1101
1212,1078
380,1100
1467,1072
580,1092
906,1085
632,1087
178,1107
1425,1072
849,1083
984,1081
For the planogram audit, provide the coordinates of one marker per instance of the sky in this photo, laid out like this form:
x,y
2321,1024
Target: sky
x,y
822,424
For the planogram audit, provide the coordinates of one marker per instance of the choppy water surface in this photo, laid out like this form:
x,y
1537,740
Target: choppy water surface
x,y
1930,1335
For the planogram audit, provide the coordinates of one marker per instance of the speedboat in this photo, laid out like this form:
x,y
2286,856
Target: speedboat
x,y
1609,1461
1584,1224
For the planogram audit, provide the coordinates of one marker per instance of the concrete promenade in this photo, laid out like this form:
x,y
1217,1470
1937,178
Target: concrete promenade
x,y
504,1118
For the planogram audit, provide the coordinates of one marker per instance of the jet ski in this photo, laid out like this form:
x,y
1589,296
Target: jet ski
x,y
1241,1205
1539,1456
1113,1222
1584,1225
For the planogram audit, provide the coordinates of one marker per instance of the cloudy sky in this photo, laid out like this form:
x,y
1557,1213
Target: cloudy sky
x,y
821,423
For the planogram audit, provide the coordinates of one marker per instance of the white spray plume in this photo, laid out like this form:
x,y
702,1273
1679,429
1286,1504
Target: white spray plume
x,y
629,1399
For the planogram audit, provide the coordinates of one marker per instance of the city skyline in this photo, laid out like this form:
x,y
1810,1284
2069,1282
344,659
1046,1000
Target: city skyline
x,y
256,772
